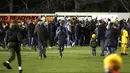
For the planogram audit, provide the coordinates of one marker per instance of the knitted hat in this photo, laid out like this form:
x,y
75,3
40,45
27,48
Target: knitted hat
x,y
93,35
113,62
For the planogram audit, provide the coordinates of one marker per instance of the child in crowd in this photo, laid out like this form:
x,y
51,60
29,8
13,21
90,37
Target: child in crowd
x,y
124,41
93,44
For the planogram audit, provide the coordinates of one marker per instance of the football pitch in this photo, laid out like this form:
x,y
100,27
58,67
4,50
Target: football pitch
x,y
75,60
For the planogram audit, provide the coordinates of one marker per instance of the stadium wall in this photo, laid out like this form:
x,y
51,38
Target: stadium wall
x,y
99,15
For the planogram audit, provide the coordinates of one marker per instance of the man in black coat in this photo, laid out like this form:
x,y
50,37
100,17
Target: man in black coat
x,y
42,37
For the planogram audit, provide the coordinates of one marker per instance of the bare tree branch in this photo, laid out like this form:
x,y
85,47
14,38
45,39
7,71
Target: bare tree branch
x,y
26,4
124,5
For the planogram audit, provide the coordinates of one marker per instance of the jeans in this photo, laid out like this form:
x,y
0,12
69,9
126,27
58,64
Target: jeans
x,y
31,41
77,41
110,50
69,41
93,51
41,48
102,43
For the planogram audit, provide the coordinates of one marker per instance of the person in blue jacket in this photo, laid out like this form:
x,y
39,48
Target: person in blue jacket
x,y
61,38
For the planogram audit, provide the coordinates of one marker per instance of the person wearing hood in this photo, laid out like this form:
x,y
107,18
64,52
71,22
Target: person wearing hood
x,y
13,41
41,33
61,37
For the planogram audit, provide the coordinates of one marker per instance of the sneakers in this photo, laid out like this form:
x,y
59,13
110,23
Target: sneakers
x,y
44,55
124,54
7,65
68,46
60,56
20,71
73,44
49,47
93,54
40,58
65,46
102,55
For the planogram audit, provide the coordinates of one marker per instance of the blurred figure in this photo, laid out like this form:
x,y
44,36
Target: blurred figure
x,y
112,63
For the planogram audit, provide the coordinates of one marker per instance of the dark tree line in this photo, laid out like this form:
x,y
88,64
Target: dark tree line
x,y
40,6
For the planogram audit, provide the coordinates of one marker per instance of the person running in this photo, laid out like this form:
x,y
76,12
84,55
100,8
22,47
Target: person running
x,y
61,37
13,41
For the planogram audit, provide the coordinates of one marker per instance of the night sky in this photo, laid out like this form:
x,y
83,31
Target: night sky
x,y
57,5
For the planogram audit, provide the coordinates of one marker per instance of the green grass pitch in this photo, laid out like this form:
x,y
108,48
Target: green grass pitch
x,y
75,60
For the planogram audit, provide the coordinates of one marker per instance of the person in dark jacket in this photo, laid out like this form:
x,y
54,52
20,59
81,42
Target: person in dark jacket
x,y
52,32
101,36
24,34
13,41
30,32
61,37
42,37
2,34
111,37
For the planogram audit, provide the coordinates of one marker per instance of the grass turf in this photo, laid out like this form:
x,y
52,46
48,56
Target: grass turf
x,y
75,60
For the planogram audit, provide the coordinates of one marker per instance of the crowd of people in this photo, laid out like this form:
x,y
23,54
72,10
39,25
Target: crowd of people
x,y
66,33
78,32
